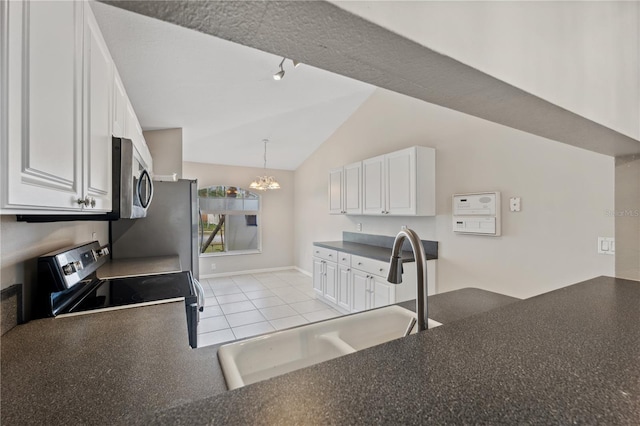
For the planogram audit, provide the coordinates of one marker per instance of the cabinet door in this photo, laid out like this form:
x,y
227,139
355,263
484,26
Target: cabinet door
x,y
373,182
401,182
42,161
352,188
381,292
360,290
344,287
119,106
98,80
335,191
318,275
331,281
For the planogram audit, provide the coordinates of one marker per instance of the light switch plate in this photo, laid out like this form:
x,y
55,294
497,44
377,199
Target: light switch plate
x,y
606,246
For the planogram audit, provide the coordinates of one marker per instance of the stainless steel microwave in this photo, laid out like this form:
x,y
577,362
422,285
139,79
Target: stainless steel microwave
x,y
132,188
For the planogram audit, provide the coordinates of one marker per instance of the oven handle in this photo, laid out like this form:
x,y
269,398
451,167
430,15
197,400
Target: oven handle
x,y
200,292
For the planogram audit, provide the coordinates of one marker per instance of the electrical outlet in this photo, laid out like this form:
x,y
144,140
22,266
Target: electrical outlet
x,y
94,236
213,266
514,204
358,227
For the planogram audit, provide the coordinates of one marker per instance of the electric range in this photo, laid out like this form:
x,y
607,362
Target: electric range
x,y
67,285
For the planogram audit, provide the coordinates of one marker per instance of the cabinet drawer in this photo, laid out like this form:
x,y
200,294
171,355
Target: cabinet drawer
x,y
370,266
326,254
344,259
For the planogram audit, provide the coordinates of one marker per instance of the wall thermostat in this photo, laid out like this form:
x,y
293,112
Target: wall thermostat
x,y
477,213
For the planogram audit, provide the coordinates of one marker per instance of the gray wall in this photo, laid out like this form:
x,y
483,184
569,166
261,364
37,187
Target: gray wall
x,y
551,243
276,217
166,150
627,216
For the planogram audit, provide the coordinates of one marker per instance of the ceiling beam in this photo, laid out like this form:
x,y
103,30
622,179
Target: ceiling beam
x,y
322,35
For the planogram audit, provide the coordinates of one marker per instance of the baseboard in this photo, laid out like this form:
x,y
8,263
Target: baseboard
x,y
302,271
251,271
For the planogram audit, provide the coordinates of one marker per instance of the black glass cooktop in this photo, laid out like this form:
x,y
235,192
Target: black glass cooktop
x,y
127,291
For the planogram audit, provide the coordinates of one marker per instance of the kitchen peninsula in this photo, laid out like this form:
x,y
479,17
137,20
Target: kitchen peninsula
x,y
564,357
567,356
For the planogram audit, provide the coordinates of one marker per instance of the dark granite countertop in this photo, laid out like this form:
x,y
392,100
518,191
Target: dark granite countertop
x,y
564,357
458,304
365,250
102,367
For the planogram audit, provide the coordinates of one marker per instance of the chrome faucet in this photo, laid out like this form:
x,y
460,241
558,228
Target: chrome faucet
x,y
395,271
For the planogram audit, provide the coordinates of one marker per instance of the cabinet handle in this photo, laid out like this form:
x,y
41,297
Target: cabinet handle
x,y
359,263
330,255
381,269
86,201
382,212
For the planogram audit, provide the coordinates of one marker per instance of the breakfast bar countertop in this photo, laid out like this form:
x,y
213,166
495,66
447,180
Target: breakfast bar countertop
x,y
564,357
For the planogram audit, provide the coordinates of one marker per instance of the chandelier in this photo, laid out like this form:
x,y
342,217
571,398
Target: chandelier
x,y
262,183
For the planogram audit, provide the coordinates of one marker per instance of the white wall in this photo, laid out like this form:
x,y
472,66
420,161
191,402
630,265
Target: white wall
x,y
166,150
276,217
21,244
581,55
549,244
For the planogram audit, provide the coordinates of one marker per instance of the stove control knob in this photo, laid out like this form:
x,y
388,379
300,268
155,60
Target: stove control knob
x,y
68,269
77,265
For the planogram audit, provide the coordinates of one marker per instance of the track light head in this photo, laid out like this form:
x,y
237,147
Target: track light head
x,y
280,74
296,64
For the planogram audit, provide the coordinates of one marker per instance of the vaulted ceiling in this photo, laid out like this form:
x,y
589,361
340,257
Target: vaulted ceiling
x,y
320,34
222,94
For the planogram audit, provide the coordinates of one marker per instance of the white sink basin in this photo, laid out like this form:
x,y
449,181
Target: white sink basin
x,y
259,358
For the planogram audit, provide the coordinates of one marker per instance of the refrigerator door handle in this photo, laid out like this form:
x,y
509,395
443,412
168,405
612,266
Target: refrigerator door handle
x,y
200,291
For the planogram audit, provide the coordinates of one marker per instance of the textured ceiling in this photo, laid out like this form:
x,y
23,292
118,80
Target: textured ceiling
x,y
322,35
222,94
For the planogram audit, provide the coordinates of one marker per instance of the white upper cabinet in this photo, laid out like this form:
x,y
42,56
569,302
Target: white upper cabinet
x,y
401,183
374,187
335,191
133,131
119,106
352,188
60,103
42,105
98,87
345,189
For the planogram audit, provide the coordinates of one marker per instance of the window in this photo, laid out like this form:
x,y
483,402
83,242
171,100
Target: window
x,y
229,221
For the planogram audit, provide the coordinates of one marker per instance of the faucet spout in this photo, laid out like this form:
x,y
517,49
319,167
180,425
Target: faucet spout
x,y
395,271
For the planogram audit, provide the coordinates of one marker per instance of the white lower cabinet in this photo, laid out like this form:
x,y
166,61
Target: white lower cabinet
x,y
344,287
370,291
325,274
354,283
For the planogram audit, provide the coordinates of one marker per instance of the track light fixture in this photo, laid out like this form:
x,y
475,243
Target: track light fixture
x,y
280,74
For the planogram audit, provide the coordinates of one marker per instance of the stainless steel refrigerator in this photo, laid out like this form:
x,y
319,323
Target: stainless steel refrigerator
x,y
170,228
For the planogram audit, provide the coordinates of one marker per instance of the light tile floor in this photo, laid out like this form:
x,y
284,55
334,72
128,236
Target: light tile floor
x,y
246,305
